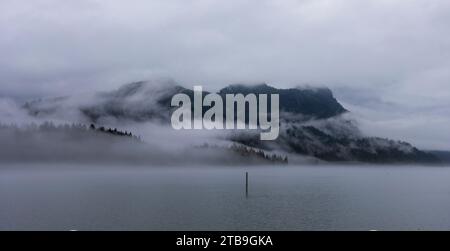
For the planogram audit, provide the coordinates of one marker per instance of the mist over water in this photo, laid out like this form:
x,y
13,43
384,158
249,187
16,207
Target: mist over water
x,y
86,141
88,197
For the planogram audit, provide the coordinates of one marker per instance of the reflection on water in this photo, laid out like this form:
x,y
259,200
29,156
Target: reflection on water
x,y
190,198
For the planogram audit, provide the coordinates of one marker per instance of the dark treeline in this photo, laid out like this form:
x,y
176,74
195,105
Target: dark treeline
x,y
113,131
246,151
68,128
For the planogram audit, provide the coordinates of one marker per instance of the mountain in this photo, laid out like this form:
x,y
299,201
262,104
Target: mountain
x,y
312,102
142,101
139,101
312,122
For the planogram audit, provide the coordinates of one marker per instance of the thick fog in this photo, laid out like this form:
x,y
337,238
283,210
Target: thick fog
x,y
394,53
72,143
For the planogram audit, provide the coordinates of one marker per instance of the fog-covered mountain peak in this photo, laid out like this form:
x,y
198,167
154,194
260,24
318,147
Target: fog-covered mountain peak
x,y
147,100
312,121
144,88
311,102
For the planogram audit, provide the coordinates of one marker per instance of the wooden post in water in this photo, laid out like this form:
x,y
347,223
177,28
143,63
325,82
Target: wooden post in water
x,y
246,184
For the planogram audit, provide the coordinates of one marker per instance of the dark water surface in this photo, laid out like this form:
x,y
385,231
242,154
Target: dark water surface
x,y
65,197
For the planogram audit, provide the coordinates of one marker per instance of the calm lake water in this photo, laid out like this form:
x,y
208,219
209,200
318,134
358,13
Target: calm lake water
x,y
34,197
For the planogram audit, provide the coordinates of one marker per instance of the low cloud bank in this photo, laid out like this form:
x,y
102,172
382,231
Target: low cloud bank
x,y
49,143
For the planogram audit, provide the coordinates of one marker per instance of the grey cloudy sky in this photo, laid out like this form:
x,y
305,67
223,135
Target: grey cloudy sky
x,y
387,60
